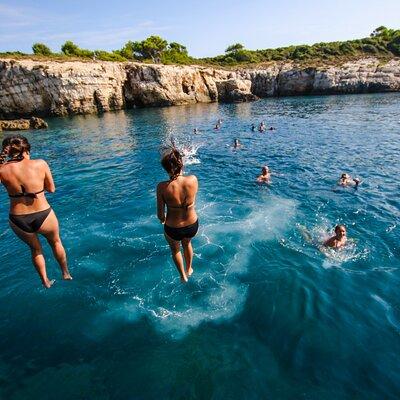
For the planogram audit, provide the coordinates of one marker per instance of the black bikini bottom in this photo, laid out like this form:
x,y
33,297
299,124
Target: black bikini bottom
x,y
185,232
30,223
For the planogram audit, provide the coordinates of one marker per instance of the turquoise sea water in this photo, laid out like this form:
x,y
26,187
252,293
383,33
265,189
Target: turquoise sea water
x,y
266,314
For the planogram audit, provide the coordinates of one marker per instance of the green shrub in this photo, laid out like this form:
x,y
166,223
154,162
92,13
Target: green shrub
x,y
41,49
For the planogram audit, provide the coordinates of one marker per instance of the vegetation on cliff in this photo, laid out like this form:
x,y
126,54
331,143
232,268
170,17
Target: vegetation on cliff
x,y
382,43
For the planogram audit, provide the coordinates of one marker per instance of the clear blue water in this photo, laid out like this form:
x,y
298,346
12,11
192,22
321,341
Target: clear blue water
x,y
266,314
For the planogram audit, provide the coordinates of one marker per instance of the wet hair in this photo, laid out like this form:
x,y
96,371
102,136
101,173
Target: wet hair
x,y
14,147
172,162
337,227
344,176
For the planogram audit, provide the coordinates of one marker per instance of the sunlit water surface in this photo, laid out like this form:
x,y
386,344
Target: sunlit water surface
x,y
266,314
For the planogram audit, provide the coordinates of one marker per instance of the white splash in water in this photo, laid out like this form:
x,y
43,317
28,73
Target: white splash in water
x,y
215,292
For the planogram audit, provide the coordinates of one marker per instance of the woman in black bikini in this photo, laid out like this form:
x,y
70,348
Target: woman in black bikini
x,y
25,181
178,194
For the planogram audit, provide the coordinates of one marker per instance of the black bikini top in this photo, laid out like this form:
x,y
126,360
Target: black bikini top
x,y
184,206
32,195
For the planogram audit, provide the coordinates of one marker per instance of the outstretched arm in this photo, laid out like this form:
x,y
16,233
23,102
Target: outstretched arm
x,y
160,205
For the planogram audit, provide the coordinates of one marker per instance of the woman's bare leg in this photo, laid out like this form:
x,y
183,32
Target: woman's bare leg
x,y
32,240
50,230
188,253
177,257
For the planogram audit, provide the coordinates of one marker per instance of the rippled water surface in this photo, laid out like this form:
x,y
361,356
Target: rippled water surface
x,y
266,314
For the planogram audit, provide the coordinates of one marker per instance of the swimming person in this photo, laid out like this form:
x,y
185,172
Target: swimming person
x,y
181,224
26,181
347,180
261,127
236,144
339,239
265,175
253,128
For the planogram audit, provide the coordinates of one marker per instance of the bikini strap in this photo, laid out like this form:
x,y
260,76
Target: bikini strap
x,y
32,195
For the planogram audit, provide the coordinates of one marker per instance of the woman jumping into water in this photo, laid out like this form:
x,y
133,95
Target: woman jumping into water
x,y
178,195
26,181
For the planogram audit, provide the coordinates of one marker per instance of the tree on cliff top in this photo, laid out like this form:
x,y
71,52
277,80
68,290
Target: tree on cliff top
x,y
152,47
234,48
70,49
157,49
41,49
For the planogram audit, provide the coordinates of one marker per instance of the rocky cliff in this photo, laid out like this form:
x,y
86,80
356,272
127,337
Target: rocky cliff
x,y
64,88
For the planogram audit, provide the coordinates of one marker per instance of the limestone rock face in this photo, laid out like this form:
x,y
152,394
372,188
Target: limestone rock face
x,y
59,88
235,91
362,76
166,85
64,88
23,124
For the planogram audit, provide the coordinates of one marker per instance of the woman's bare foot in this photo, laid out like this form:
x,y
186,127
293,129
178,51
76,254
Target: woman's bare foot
x,y
184,279
189,272
66,276
48,283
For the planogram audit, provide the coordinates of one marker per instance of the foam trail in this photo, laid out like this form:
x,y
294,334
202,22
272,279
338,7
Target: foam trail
x,y
215,291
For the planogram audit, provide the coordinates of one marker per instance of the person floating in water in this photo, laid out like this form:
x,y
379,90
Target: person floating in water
x,y
178,195
347,180
217,126
271,128
339,239
26,181
253,128
236,144
265,176
261,127
195,131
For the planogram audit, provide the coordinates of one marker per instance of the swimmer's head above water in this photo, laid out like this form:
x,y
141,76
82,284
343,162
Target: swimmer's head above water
x,y
14,147
172,162
265,170
340,231
339,239
347,180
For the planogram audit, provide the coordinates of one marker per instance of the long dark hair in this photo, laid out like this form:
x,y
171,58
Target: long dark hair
x,y
14,147
172,162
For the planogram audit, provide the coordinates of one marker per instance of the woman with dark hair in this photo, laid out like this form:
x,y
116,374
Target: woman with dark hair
x,y
178,195
26,181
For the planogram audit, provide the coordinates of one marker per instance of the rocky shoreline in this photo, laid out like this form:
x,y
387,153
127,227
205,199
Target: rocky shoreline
x,y
22,124
29,88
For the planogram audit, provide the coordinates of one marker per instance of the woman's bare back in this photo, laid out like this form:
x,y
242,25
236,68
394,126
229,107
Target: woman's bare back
x,y
179,195
29,176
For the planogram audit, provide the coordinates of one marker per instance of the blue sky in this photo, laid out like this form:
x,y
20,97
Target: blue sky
x,y
205,27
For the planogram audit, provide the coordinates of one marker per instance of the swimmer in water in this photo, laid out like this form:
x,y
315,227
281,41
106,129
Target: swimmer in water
x,y
178,196
265,176
195,131
253,128
217,126
261,127
339,239
26,181
347,180
236,144
271,128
